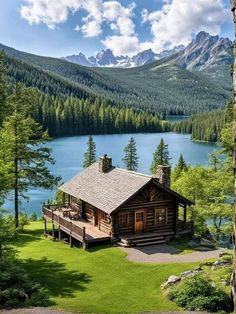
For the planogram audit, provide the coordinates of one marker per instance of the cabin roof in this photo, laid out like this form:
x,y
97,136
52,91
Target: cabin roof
x,y
108,191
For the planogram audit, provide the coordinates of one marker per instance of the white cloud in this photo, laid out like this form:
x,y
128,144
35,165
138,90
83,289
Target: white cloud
x,y
178,20
173,24
122,45
77,28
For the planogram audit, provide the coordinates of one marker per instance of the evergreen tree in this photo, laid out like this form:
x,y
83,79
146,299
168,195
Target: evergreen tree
x,y
90,155
131,158
160,156
3,91
22,138
181,165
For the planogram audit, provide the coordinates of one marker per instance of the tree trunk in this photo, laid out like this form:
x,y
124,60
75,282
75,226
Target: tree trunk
x,y
233,278
16,194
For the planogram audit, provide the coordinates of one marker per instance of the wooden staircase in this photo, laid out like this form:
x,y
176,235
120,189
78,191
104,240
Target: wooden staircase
x,y
144,239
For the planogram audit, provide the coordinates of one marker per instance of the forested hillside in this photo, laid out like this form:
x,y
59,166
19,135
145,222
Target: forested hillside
x,y
66,108
73,116
162,87
205,126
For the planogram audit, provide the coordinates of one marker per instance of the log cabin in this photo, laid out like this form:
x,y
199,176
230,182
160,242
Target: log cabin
x,y
107,203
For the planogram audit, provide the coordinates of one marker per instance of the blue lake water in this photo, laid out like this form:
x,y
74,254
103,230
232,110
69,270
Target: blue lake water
x,y
69,153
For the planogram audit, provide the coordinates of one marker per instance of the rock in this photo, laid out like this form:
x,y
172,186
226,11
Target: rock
x,y
187,273
222,253
205,242
193,243
198,268
204,248
173,280
220,263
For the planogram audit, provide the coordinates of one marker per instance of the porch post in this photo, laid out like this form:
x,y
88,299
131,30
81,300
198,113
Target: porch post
x,y
45,226
185,216
59,233
70,239
82,209
175,219
53,230
63,198
113,235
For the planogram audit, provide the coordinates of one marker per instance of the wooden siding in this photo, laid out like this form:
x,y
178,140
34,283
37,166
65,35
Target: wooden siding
x,y
148,199
102,224
89,213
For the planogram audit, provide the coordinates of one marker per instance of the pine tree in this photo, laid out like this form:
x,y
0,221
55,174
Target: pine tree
x,y
181,165
131,158
160,156
179,169
24,153
3,91
90,155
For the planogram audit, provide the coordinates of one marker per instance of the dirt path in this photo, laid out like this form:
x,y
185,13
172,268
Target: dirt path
x,y
165,254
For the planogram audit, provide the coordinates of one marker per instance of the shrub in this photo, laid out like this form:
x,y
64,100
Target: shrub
x,y
198,293
16,288
23,221
34,217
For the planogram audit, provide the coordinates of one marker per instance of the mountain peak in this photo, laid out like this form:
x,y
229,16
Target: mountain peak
x,y
201,36
204,51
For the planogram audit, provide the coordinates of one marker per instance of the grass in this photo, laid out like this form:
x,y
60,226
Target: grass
x,y
99,280
183,246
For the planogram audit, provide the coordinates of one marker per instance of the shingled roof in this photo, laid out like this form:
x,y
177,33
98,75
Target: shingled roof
x,y
108,191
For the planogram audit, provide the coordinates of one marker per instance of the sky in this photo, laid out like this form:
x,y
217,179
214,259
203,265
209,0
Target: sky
x,y
63,27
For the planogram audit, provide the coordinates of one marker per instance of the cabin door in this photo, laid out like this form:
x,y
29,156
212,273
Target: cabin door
x,y
139,221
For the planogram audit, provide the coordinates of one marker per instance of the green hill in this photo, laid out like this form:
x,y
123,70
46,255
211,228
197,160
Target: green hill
x,y
162,87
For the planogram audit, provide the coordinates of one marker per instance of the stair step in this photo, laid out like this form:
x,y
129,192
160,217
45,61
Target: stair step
x,y
150,243
142,235
148,239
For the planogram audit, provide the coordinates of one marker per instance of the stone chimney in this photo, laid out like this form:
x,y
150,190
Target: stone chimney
x,y
105,164
163,175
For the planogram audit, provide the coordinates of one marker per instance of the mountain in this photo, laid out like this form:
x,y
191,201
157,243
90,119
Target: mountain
x,y
161,87
79,59
210,55
106,58
205,52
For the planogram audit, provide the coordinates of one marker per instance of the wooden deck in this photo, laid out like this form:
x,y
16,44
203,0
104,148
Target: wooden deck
x,y
78,229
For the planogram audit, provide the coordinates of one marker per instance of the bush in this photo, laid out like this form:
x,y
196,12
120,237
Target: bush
x,y
23,221
199,294
16,288
34,217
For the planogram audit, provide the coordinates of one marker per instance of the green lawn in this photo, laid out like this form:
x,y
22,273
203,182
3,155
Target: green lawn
x,y
99,280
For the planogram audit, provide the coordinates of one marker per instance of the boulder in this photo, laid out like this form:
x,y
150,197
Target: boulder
x,y
206,242
173,280
193,243
222,253
220,263
188,273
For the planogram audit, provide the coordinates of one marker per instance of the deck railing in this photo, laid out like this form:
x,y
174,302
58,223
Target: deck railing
x,y
49,213
187,225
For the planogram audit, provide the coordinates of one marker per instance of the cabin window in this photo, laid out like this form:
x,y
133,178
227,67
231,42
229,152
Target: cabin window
x,y
161,215
123,219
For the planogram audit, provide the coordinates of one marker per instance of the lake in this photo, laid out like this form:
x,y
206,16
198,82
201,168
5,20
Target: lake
x,y
69,151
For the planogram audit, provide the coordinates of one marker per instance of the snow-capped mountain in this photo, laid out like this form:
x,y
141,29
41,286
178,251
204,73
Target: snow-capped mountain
x,y
106,58
201,53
